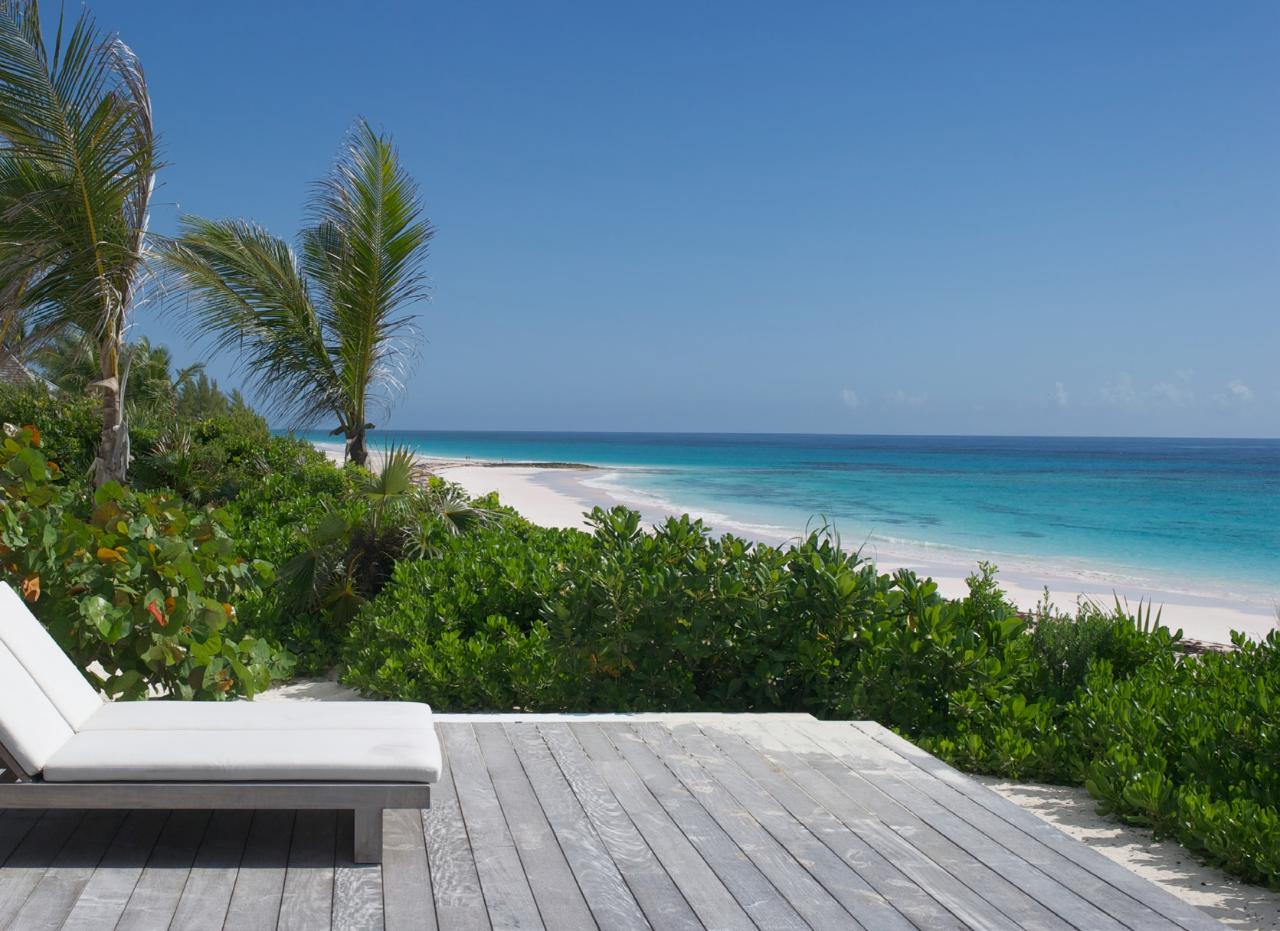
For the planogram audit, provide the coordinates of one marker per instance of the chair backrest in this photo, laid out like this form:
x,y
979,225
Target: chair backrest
x,y
43,697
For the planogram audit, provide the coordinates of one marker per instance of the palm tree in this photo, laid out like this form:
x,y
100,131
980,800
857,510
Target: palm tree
x,y
77,167
68,359
323,332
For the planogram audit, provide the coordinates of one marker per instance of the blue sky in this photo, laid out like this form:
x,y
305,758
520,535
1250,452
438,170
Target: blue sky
x,y
985,217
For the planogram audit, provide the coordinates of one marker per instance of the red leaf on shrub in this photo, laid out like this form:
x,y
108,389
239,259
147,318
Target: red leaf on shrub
x,y
158,614
31,588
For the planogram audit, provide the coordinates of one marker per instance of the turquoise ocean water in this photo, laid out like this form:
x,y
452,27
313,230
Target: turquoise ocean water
x,y
1188,514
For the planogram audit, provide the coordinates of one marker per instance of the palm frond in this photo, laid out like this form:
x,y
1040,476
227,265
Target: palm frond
x,y
453,507
395,488
365,251
76,171
250,297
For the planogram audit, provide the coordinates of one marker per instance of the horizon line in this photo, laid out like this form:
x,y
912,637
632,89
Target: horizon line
x,y
797,433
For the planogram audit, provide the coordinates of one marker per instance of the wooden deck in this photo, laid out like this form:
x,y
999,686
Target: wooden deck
x,y
731,822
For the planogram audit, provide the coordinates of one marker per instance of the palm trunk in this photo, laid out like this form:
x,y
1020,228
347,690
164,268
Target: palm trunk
x,y
112,462
356,450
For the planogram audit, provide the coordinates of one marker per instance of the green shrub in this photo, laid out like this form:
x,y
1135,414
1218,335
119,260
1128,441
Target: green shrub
x,y
269,521
448,630
140,585
1064,644
216,459
1190,746
678,619
924,665
338,538
69,425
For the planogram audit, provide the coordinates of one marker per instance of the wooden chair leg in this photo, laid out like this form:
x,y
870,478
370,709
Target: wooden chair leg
x,y
368,835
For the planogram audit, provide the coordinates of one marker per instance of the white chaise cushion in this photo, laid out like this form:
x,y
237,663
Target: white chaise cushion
x,y
260,715
31,728
45,662
320,755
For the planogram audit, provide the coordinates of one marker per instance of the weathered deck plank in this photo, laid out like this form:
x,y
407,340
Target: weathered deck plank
x,y
14,826
71,870
307,901
704,890
407,899
1067,907
455,882
680,821
867,906
106,894
984,878
255,901
155,897
560,900
602,885
864,862
207,894
655,892
925,793
502,876
31,857
966,904
357,887
1152,896
809,899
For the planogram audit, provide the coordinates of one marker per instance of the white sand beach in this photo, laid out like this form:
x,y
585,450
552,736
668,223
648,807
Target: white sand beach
x,y
559,497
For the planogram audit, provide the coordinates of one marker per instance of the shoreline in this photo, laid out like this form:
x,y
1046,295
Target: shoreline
x,y
557,495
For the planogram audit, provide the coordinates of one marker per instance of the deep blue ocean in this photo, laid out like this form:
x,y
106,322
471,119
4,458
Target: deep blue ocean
x,y
1204,514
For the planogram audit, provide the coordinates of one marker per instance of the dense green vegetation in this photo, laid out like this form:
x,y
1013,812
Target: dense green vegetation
x,y
142,586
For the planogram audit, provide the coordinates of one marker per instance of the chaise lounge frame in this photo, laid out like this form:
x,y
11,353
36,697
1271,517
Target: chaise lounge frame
x,y
367,800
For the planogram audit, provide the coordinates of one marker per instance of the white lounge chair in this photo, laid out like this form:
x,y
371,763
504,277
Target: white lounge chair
x,y
62,746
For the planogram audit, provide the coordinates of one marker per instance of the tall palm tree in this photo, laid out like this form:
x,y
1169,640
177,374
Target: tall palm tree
x,y
324,332
77,167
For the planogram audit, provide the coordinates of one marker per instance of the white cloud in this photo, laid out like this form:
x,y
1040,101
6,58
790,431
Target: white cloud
x,y
1236,393
850,398
1060,396
1239,391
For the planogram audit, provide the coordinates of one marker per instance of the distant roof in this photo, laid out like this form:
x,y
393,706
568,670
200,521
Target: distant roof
x,y
13,372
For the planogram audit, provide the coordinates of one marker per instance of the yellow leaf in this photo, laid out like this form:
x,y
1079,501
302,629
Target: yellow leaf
x,y
106,554
31,588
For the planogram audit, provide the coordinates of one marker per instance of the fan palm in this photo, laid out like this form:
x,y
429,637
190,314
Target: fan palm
x,y
77,167
398,511
323,332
